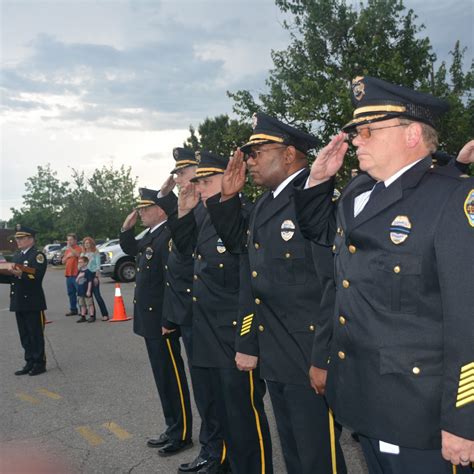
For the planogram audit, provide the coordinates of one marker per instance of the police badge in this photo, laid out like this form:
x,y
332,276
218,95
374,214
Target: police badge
x,y
400,229
220,246
469,207
287,230
254,121
197,154
358,87
148,253
40,258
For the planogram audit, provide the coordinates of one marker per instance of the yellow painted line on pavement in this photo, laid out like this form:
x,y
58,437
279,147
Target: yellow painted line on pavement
x,y
115,429
92,438
26,398
49,394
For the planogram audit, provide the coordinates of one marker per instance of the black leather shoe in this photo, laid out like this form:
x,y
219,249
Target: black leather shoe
x,y
174,447
82,319
196,465
91,319
37,369
24,370
158,442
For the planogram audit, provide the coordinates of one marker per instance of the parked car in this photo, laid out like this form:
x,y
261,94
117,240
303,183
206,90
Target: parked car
x,y
2,259
49,250
108,243
57,257
116,264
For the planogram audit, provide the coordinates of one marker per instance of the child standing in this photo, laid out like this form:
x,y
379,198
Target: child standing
x,y
85,280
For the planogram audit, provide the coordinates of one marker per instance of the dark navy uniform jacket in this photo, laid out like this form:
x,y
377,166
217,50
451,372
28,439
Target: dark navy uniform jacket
x,y
177,306
286,289
26,292
216,282
402,358
151,253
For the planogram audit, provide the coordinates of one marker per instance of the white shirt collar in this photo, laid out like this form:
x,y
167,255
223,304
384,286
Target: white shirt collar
x,y
156,226
285,183
26,250
394,177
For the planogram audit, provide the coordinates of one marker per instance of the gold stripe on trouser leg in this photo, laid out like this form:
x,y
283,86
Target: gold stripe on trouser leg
x,y
257,421
333,442
454,469
224,452
181,396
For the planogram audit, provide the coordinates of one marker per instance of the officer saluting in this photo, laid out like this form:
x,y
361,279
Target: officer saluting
x,y
401,372
164,352
27,299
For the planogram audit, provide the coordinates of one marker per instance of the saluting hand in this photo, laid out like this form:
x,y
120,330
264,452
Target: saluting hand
x,y
318,378
328,161
233,180
245,362
130,220
466,155
167,186
188,199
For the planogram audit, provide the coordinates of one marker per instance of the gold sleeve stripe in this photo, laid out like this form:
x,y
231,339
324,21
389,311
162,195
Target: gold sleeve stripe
x,y
466,377
247,324
467,367
379,108
249,316
461,396
243,333
465,401
466,387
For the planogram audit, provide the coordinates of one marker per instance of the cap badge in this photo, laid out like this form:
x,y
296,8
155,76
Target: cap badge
x,y
175,153
469,207
18,227
170,245
197,154
40,258
220,246
400,229
148,253
287,230
358,87
254,121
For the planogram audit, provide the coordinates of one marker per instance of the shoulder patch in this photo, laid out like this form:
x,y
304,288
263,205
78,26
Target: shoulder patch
x,y
40,258
469,207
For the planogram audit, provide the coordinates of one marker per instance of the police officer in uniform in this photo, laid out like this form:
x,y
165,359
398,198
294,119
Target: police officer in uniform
x,y
401,371
164,352
216,283
289,293
177,310
27,299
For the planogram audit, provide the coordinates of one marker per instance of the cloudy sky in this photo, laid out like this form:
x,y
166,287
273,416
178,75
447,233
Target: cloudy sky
x,y
93,82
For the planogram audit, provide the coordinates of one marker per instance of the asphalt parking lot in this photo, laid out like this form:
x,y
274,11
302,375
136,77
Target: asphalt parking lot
x,y
94,409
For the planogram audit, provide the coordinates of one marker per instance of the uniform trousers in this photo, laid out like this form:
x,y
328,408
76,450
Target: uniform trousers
x,y
408,461
241,411
170,379
308,435
30,327
210,434
71,287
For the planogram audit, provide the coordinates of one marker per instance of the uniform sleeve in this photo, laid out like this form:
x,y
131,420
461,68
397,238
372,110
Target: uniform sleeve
x,y
230,221
184,233
324,264
454,247
128,242
39,263
246,338
316,212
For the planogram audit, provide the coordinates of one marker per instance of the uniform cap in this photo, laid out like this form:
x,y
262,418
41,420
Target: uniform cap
x,y
209,164
184,157
23,231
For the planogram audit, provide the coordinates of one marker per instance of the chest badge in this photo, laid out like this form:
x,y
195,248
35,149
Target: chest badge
x,y
40,258
287,230
220,246
469,207
148,253
400,229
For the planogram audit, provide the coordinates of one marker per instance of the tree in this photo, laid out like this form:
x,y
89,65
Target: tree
x,y
43,202
331,43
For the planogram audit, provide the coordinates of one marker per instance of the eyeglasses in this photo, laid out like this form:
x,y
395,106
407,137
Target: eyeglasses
x,y
366,132
254,154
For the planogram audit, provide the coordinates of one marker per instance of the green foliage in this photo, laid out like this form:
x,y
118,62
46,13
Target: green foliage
x,y
331,43
95,205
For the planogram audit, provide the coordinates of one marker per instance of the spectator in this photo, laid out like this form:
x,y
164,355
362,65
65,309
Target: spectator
x,y
85,282
91,252
70,260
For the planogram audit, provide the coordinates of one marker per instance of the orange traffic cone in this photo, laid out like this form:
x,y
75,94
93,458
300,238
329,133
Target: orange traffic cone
x,y
119,307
